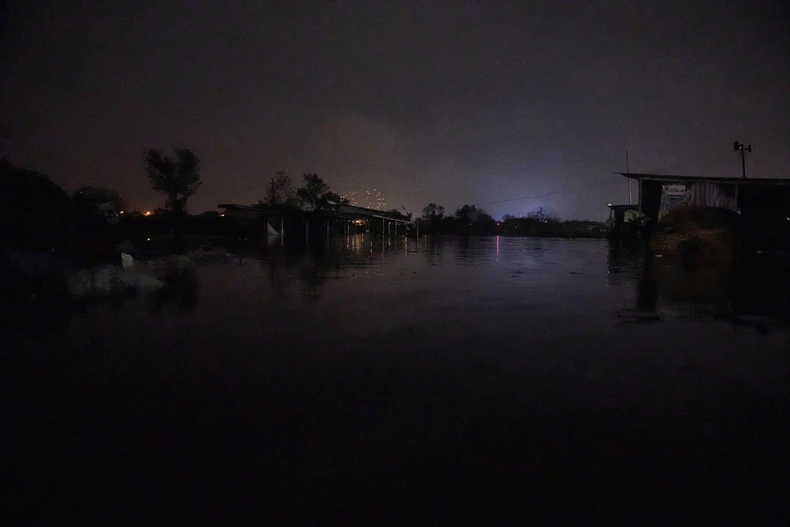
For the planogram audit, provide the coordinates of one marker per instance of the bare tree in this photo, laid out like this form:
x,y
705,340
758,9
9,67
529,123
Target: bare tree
x,y
280,191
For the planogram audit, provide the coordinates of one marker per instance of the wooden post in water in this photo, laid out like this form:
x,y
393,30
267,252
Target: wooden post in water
x,y
737,205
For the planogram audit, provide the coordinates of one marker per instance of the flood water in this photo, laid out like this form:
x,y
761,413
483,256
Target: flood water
x,y
529,380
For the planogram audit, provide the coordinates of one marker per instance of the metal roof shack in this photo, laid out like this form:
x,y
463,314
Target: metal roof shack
x,y
762,203
332,210
660,193
668,178
353,212
330,218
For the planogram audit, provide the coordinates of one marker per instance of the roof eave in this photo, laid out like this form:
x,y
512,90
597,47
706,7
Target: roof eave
x,y
675,177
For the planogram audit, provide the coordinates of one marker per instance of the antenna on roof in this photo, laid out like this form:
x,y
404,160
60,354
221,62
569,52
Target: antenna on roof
x,y
737,146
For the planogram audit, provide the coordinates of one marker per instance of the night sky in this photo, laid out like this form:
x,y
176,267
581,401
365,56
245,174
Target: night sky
x,y
452,102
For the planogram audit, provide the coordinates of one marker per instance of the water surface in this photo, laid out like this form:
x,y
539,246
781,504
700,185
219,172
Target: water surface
x,y
415,381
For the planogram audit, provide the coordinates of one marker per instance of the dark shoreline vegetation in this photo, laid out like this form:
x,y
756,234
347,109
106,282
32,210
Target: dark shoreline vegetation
x,y
470,220
55,220
55,244
186,231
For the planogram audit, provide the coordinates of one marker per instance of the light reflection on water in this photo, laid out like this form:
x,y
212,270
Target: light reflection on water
x,y
429,363
536,276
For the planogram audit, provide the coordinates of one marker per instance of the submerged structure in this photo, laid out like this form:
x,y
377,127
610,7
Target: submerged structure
x,y
333,219
714,217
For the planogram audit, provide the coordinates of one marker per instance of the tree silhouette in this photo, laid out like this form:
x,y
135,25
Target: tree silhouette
x,y
432,211
35,213
432,217
467,214
312,190
470,219
280,191
540,214
315,194
177,178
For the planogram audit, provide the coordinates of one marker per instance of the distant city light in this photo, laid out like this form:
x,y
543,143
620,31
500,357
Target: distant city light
x,y
374,199
148,213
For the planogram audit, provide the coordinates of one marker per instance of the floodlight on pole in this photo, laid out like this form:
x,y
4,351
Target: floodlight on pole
x,y
737,146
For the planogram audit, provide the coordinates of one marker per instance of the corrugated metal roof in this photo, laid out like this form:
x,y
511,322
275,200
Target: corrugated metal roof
x,y
363,211
243,207
694,179
343,210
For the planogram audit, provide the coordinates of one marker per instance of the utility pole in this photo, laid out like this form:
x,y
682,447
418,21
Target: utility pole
x,y
738,146
628,170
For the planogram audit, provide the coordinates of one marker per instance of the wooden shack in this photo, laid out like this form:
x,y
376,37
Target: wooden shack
x,y
715,216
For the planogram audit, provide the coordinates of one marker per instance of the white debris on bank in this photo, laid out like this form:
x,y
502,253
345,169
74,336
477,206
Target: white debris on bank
x,y
108,279
177,273
127,261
